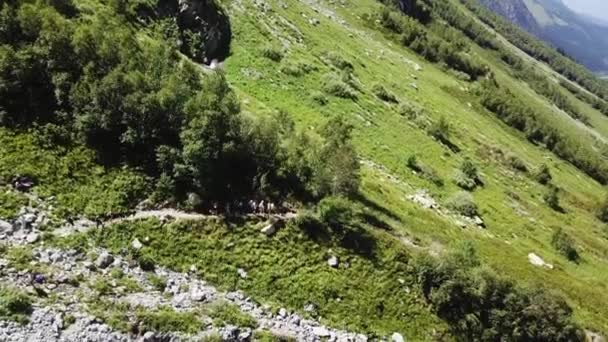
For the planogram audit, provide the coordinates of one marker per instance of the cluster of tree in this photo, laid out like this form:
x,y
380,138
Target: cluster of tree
x,y
94,79
540,50
594,101
542,85
539,129
413,34
480,305
451,14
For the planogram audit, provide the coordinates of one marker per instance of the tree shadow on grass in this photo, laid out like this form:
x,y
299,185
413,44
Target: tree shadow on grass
x,y
351,236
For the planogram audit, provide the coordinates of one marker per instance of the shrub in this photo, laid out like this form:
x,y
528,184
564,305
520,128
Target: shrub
x,y
146,260
463,203
463,181
339,62
467,176
158,282
20,257
296,69
479,305
564,244
602,211
332,84
14,305
516,163
425,171
165,319
551,197
440,130
229,314
272,53
380,92
336,212
543,175
319,98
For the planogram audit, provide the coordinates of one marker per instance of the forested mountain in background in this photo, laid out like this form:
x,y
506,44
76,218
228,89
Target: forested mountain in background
x,y
582,37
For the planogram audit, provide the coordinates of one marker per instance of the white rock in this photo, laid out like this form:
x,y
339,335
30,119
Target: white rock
x,y
282,313
136,244
5,227
321,332
104,260
538,261
32,238
333,261
397,337
242,273
269,229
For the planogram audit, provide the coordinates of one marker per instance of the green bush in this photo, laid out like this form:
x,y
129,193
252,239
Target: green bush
x,y
229,314
602,211
551,197
543,175
146,261
463,203
319,98
380,92
297,69
336,212
441,130
467,176
424,171
332,84
273,53
14,305
158,282
565,245
165,319
338,61
516,163
479,305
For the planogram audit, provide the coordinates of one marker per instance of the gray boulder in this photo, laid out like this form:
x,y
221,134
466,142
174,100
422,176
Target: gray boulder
x,y
104,260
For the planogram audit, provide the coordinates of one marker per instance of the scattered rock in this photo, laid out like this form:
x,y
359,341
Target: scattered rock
x,y
321,332
242,273
269,230
333,261
5,227
282,313
479,222
32,238
397,337
538,261
136,244
197,294
104,260
424,199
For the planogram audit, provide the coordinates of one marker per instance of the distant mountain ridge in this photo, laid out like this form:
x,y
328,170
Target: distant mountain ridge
x,y
582,37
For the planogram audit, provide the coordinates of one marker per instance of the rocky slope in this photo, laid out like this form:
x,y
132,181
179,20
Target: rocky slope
x,y
62,308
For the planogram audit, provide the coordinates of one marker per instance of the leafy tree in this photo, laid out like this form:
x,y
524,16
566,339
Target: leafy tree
x,y
338,167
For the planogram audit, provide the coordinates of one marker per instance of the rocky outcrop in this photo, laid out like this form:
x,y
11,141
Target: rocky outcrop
x,y
204,27
516,12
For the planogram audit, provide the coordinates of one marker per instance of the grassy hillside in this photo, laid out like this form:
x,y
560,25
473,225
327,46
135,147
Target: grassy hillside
x,y
420,121
511,202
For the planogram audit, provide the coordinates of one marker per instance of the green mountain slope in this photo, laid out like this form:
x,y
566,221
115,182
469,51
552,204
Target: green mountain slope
x,y
479,152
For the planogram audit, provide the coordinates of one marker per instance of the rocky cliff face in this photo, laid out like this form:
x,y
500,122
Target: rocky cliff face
x,y
205,30
515,11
